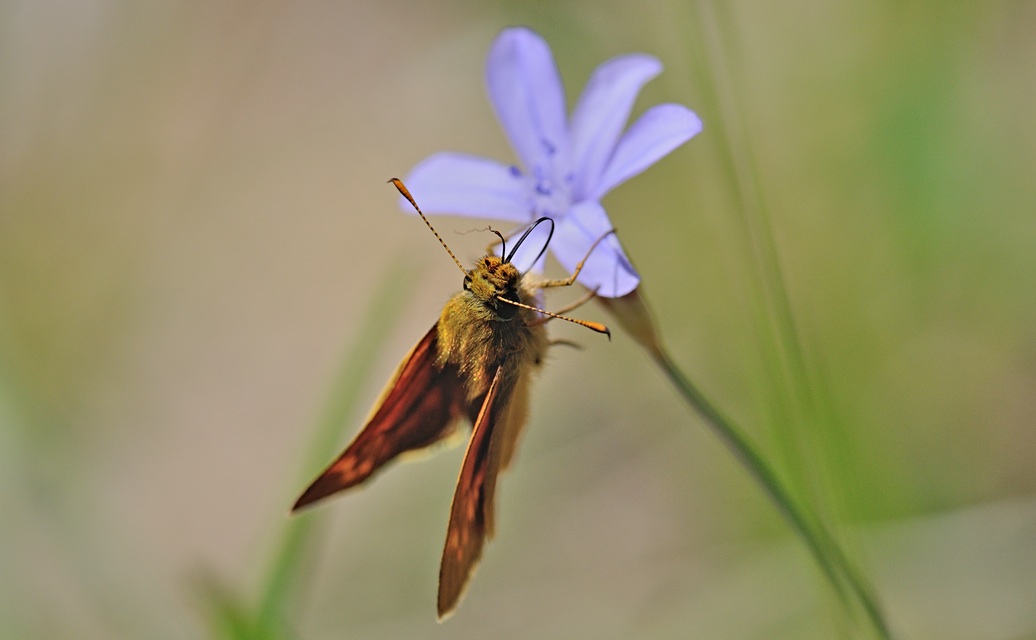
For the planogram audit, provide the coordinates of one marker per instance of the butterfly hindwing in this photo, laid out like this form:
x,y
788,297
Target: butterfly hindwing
x,y
418,407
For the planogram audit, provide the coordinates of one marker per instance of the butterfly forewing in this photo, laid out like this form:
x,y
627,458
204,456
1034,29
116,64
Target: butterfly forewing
x,y
418,407
471,514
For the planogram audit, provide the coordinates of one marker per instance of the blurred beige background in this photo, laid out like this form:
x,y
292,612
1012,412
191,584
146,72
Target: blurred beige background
x,y
194,220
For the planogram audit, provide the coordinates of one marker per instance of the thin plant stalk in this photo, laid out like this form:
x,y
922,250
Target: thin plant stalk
x,y
795,403
631,311
288,564
818,540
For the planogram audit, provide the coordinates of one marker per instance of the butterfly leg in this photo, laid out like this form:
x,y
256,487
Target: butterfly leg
x,y
492,245
583,299
579,267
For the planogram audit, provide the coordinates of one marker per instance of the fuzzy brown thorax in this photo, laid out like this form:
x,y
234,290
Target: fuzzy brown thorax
x,y
479,332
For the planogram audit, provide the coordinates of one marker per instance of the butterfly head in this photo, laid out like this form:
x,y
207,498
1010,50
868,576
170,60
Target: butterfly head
x,y
495,281
491,280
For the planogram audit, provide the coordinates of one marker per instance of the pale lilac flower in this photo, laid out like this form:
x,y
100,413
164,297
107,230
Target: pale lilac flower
x,y
566,165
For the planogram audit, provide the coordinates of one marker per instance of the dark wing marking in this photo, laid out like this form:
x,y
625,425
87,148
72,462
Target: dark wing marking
x,y
471,515
418,407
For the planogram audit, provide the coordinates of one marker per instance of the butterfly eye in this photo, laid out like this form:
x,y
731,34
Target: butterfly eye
x,y
504,310
467,283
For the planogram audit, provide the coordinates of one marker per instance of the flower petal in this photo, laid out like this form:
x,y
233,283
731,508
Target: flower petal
x,y
526,93
466,185
607,268
602,112
660,130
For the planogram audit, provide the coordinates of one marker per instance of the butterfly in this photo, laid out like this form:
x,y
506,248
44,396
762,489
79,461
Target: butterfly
x,y
476,362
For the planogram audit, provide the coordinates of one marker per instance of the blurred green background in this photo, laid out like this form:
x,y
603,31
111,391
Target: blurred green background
x,y
195,227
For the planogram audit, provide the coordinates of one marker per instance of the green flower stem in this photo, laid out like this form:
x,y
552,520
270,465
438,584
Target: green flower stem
x,y
835,565
631,311
775,320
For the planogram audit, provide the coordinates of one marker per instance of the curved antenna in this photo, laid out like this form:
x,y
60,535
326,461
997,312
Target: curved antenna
x,y
526,235
398,184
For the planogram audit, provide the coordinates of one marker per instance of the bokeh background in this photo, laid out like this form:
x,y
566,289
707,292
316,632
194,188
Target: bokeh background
x,y
200,263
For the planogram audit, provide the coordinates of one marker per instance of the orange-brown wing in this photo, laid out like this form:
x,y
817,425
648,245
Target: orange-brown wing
x,y
471,515
418,407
